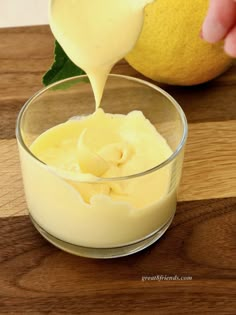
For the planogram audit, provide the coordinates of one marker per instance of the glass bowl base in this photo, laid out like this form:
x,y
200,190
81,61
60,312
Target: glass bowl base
x,y
102,253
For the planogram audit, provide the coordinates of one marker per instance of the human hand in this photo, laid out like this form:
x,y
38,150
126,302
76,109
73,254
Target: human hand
x,y
220,23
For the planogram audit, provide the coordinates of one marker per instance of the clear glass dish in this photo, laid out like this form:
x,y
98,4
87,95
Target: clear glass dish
x,y
53,204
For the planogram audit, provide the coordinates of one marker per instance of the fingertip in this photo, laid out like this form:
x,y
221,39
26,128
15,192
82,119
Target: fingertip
x,y
230,43
212,30
230,48
221,17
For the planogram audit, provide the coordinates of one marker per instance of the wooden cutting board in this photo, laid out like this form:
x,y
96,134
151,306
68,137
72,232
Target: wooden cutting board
x,y
37,278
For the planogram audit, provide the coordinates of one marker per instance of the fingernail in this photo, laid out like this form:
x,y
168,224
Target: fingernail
x,y
213,31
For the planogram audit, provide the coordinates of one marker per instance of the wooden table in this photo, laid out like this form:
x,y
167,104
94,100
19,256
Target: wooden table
x,y
36,278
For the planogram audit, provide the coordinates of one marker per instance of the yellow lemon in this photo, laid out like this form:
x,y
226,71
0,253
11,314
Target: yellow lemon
x,y
170,49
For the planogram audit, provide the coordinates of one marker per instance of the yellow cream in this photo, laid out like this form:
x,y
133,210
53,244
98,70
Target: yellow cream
x,y
68,200
76,196
107,146
96,34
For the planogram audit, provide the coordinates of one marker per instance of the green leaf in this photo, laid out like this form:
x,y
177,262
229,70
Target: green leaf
x,y
62,68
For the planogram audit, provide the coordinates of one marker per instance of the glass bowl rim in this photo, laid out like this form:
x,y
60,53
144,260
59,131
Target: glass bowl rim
x,y
129,78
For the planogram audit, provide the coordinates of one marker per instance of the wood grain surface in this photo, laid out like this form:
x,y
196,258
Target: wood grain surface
x,y
36,278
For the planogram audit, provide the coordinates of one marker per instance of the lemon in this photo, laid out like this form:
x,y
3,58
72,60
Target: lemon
x,y
170,49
